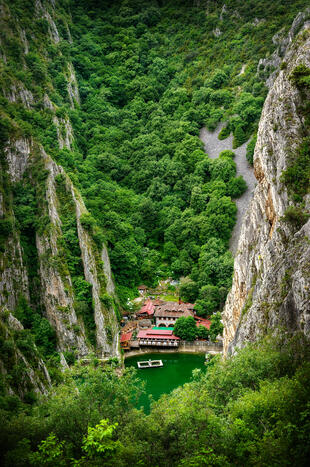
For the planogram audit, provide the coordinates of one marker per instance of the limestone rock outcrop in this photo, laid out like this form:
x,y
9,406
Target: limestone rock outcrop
x,y
56,290
271,284
40,207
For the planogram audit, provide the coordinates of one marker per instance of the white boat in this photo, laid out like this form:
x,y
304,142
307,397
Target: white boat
x,y
150,364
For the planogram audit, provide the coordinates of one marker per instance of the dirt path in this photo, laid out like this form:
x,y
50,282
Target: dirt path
x,y
213,146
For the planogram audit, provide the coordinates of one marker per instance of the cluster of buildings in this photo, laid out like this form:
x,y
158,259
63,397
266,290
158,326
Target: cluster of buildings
x,y
154,325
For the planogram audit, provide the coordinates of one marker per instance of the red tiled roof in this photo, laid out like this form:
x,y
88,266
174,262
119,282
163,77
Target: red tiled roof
x,y
157,334
172,314
142,287
147,308
158,302
203,322
175,309
126,337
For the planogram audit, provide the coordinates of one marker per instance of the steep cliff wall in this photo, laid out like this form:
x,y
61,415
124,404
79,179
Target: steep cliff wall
x,y
51,254
56,290
22,371
271,285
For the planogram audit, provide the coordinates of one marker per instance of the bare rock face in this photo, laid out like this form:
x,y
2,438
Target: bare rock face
x,y
17,154
57,294
51,265
57,291
85,321
13,275
271,285
73,89
19,93
42,11
64,132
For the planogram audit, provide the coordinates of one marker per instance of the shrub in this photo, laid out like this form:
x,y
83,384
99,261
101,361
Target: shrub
x,y
225,132
227,153
250,149
70,357
239,137
6,229
296,216
300,76
37,67
297,176
236,187
106,299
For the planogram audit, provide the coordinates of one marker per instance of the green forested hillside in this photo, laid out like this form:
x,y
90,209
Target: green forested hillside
x,y
149,79
149,76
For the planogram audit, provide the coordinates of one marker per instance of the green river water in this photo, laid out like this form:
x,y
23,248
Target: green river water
x,y
176,371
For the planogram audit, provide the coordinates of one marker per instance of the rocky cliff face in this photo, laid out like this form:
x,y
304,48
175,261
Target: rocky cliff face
x,y
271,285
283,42
22,371
56,291
50,253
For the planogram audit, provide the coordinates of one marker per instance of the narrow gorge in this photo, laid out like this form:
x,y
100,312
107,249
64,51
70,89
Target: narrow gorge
x,y
154,202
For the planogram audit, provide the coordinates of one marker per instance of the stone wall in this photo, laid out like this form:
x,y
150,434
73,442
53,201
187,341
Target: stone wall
x,y
184,347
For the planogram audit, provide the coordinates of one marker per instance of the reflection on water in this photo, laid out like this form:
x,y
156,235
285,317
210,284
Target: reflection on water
x,y
176,371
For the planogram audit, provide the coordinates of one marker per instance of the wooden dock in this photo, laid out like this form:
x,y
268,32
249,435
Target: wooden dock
x,y
150,364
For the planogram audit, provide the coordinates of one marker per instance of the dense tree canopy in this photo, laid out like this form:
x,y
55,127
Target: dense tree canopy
x,y
247,410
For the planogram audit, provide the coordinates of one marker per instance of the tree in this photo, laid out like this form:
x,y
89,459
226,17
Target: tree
x,y
209,300
250,149
202,332
218,79
236,187
239,137
50,453
185,328
188,290
98,444
198,199
216,327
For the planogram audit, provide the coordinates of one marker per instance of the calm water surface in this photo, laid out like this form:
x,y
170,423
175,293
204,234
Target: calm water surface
x,y
176,371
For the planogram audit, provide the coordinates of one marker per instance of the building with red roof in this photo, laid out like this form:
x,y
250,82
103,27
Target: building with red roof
x,y
202,322
147,311
158,302
158,338
167,313
125,340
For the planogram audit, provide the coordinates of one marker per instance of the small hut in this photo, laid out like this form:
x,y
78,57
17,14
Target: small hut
x,y
142,289
125,340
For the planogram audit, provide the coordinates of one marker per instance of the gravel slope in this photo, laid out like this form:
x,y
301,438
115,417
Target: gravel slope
x,y
213,146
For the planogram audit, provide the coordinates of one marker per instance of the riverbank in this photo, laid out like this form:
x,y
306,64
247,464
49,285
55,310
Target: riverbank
x,y
196,347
